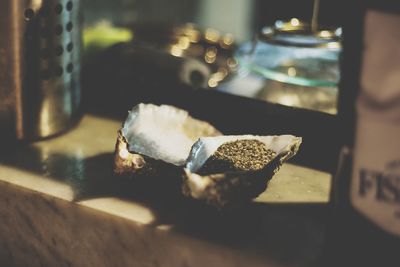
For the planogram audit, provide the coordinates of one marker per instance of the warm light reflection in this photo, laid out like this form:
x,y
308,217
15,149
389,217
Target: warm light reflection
x,y
176,51
36,4
211,55
267,31
295,22
212,35
191,32
165,227
288,101
212,83
211,51
130,210
45,120
333,45
183,42
217,77
291,72
227,40
209,60
325,34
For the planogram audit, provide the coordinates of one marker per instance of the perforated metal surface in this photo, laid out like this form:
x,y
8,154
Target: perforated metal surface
x,y
45,41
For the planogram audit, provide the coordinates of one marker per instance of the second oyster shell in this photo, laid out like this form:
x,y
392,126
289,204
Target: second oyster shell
x,y
235,184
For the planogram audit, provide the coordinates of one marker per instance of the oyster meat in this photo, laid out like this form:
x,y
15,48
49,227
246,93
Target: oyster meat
x,y
156,140
226,169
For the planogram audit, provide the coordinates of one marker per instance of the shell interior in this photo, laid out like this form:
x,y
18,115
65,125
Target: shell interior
x,y
163,132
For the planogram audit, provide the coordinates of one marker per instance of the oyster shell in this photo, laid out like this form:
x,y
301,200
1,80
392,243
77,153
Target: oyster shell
x,y
155,141
238,173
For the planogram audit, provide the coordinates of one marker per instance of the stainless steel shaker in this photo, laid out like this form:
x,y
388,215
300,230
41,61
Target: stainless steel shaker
x,y
40,44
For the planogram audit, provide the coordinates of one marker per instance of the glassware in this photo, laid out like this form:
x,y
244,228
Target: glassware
x,y
299,65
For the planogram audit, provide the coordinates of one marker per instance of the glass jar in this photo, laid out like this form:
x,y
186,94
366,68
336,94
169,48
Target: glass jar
x,y
299,65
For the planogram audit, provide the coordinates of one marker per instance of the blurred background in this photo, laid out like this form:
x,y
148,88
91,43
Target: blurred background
x,y
246,66
226,57
242,18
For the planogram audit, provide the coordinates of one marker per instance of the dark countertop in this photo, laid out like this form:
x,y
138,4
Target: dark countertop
x,y
61,207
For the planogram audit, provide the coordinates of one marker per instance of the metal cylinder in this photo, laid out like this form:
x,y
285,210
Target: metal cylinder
x,y
40,44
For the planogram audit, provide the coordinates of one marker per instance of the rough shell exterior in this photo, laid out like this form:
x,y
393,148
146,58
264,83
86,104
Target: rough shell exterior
x,y
148,171
221,189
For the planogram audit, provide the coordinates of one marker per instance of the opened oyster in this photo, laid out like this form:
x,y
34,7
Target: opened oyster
x,y
155,141
226,169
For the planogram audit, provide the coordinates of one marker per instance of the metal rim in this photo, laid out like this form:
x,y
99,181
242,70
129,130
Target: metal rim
x,y
324,38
